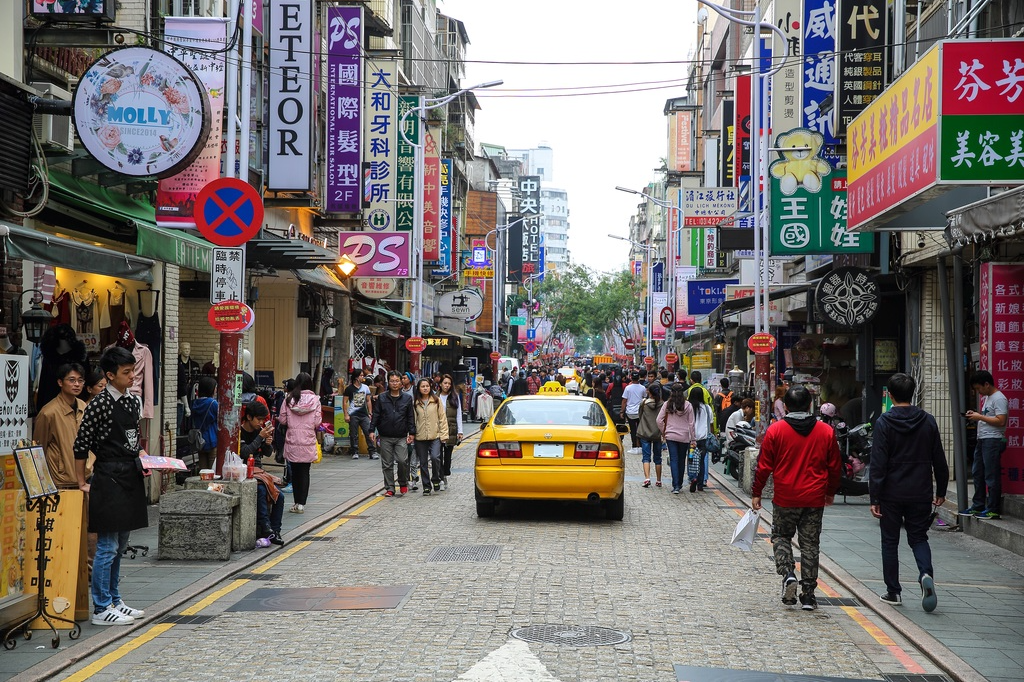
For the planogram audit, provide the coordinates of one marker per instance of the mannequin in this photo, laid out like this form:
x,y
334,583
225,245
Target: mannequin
x,y
114,313
188,374
143,384
148,331
58,346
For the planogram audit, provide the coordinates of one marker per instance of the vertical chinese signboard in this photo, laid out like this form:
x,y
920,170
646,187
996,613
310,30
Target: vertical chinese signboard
x,y
514,249
344,97
290,99
380,148
1001,319
786,83
405,178
431,194
819,66
860,75
741,160
529,206
446,225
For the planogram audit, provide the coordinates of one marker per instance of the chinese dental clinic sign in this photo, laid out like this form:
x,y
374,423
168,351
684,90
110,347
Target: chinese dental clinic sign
x,y
955,117
141,112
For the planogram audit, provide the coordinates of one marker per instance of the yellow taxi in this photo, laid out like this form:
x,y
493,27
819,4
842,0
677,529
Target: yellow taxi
x,y
551,446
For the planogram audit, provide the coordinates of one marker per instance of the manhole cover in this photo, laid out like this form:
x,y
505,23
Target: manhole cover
x,y
465,553
571,635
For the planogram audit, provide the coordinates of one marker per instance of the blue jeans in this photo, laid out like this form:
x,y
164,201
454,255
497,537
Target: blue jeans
x,y
647,446
677,452
106,569
265,516
988,474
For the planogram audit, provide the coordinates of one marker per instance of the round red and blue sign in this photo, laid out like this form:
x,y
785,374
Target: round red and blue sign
x,y
229,212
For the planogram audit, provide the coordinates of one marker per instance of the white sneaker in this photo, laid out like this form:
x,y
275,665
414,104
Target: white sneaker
x,y
126,610
297,509
355,455
111,616
444,485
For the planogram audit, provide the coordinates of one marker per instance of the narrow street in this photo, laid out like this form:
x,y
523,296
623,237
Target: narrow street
x,y
390,591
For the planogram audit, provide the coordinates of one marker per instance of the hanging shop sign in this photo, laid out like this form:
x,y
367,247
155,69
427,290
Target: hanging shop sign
x,y
761,343
848,297
376,287
529,206
405,169
465,304
344,109
415,344
380,148
785,104
1000,328
445,222
819,66
231,317
176,196
704,295
709,206
290,42
227,275
381,254
861,61
82,10
514,240
14,402
431,194
141,112
680,140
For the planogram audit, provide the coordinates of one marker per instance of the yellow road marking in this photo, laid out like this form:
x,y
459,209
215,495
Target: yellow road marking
x,y
209,599
122,651
898,653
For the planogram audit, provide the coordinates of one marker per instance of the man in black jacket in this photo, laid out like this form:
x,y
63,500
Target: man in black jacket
x,y
906,450
519,386
394,424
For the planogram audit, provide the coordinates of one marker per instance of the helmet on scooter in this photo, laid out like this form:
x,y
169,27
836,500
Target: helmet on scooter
x,y
827,410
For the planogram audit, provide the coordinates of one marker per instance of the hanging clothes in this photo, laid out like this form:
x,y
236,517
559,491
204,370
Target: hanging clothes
x,y
148,332
60,308
143,383
86,311
113,315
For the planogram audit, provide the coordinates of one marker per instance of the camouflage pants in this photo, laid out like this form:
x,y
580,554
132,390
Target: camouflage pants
x,y
805,523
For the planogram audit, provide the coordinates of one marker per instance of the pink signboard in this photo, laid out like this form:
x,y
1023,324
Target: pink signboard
x,y
431,199
378,254
1001,319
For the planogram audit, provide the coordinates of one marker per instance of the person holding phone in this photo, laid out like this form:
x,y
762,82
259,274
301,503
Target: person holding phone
x,y
987,469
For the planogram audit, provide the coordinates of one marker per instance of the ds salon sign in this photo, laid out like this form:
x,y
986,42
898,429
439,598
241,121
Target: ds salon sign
x,y
142,113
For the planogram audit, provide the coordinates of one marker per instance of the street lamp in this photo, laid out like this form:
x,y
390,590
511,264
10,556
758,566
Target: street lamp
x,y
35,319
425,105
649,307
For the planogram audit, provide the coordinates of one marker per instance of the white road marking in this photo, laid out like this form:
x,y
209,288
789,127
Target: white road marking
x,y
513,662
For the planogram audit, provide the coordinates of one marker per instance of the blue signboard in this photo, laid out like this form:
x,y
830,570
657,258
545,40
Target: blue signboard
x,y
444,220
658,285
819,78
704,295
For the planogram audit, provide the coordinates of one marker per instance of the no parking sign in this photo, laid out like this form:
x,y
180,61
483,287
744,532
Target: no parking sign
x,y
229,212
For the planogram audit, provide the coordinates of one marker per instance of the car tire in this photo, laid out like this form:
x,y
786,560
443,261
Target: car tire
x,y
485,508
614,510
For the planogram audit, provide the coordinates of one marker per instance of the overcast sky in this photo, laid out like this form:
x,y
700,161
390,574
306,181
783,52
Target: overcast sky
x,y
599,140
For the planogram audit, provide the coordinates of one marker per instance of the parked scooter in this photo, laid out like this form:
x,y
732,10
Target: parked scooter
x,y
855,448
744,437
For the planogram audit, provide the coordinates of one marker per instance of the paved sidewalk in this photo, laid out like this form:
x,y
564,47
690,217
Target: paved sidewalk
x,y
337,484
980,586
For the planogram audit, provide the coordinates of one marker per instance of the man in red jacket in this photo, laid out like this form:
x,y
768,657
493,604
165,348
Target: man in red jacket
x,y
803,455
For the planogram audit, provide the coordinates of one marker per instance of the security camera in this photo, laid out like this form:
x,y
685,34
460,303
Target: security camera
x,y
702,16
921,240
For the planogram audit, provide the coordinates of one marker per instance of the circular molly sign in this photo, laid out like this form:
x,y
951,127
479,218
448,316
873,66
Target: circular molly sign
x,y
231,317
848,297
141,112
761,343
666,317
671,358
629,344
415,344
495,355
464,304
376,287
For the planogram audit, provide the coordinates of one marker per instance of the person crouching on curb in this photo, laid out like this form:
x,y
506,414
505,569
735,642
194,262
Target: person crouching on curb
x,y
394,424
255,435
117,491
803,455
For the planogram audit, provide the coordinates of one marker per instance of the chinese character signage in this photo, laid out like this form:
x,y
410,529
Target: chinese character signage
x,y
344,110
1001,311
741,128
446,225
786,83
406,161
684,320
227,276
709,206
290,100
709,259
659,301
431,194
380,144
658,274
529,205
860,76
514,248
378,254
726,176
819,64
704,295
176,195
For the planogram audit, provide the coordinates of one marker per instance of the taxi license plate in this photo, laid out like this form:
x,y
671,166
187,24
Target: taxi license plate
x,y
547,450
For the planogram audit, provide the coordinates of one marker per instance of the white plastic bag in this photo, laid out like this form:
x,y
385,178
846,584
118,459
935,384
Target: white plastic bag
x,y
746,530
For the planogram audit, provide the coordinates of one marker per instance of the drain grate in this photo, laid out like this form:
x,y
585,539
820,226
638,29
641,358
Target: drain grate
x,y
839,601
258,576
465,553
898,677
316,538
187,620
571,635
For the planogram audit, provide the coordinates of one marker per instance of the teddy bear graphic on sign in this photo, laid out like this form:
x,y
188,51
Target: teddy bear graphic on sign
x,y
800,163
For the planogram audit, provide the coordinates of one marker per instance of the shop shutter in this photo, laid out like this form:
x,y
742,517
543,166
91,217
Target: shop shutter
x,y
16,141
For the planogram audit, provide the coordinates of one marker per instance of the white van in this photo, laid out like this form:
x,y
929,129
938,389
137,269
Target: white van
x,y
509,363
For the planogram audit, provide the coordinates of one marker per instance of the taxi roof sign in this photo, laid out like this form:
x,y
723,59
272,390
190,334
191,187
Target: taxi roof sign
x,y
553,387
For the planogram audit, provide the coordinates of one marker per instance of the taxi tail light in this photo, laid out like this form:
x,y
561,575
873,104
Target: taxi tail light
x,y
608,452
586,451
510,450
487,451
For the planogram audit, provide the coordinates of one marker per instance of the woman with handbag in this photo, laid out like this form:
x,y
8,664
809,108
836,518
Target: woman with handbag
x,y
431,431
675,421
450,399
649,433
697,465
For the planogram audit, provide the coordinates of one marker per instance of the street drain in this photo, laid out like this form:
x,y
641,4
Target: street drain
x,y
186,620
571,635
257,576
316,538
899,677
838,601
465,553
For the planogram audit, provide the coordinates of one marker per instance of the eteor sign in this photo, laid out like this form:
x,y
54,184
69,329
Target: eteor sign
x,y
141,112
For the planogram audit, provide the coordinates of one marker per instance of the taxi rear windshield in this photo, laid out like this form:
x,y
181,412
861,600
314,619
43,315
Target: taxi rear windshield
x,y
557,411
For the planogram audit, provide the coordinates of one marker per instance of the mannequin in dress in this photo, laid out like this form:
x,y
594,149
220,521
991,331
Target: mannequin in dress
x,y
188,374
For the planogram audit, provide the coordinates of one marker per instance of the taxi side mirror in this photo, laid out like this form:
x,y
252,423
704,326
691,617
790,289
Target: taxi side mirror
x,y
622,428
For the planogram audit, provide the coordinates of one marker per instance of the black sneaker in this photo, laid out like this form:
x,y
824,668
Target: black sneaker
x,y
275,539
789,585
808,602
426,492
894,598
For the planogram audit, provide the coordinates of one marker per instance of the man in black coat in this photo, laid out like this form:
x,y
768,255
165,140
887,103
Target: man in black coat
x,y
394,424
905,453
520,386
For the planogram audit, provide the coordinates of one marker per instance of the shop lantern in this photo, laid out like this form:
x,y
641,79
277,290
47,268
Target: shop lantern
x,y
35,319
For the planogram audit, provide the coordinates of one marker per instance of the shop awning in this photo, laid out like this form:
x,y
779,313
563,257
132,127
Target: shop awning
x,y
274,251
91,198
999,216
739,305
381,311
41,247
174,246
321,277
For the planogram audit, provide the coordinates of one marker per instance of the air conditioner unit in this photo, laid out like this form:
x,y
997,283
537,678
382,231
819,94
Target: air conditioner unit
x,y
51,130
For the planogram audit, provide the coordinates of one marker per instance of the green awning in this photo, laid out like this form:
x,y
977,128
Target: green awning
x,y
382,311
174,246
98,200
41,247
321,277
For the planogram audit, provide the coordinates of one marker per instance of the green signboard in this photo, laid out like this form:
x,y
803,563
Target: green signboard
x,y
981,148
516,321
814,222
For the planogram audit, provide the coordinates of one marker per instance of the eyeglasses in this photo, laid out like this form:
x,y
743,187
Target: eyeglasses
x,y
74,381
